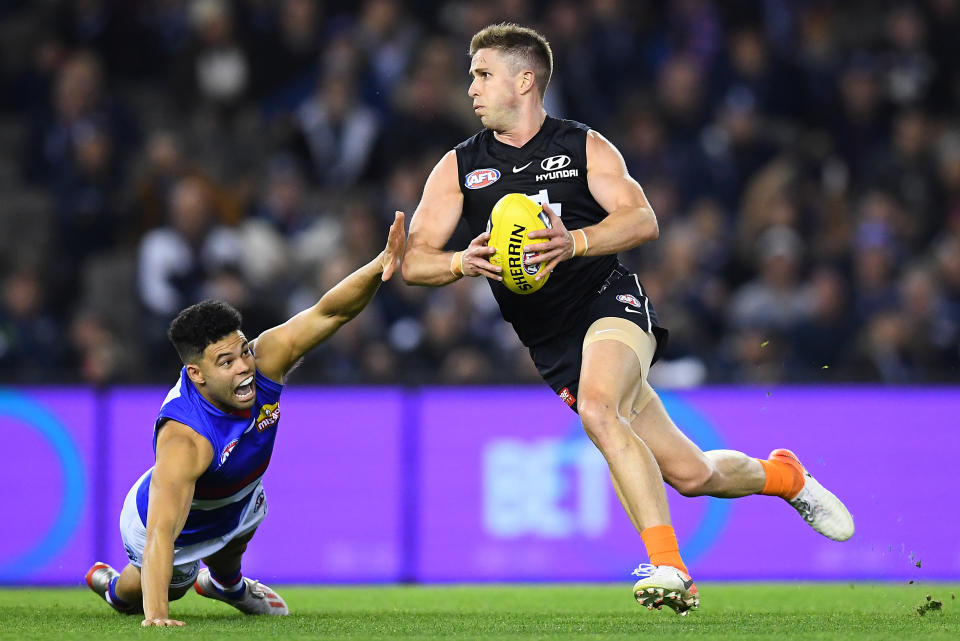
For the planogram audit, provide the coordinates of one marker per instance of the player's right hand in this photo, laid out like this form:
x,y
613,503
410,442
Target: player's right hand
x,y
476,256
162,623
393,253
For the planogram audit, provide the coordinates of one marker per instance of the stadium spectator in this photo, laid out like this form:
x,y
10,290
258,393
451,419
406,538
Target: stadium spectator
x,y
575,83
100,354
906,168
30,337
388,38
733,146
111,29
824,336
932,335
168,23
78,103
337,132
178,260
874,266
773,300
30,85
860,125
88,217
909,68
883,352
947,260
213,72
284,60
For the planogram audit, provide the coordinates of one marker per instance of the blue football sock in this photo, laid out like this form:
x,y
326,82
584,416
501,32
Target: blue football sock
x,y
231,586
112,595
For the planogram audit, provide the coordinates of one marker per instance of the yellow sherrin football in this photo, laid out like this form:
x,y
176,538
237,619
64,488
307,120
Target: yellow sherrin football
x,y
511,220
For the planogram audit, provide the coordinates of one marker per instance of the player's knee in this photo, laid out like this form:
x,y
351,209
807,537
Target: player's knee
x,y
175,593
695,480
601,422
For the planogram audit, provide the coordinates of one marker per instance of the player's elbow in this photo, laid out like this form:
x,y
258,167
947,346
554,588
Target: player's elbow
x,y
649,229
409,269
654,230
406,270
327,316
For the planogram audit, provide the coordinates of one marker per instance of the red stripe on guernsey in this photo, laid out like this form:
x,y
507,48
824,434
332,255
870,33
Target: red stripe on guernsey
x,y
242,413
224,492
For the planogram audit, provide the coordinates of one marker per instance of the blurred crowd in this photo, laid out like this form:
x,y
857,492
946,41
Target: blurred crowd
x,y
802,156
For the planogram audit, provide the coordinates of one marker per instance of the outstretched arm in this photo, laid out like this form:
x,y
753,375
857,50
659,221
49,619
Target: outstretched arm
x,y
630,220
434,221
182,456
278,349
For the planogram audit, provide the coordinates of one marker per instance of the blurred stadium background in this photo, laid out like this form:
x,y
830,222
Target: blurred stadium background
x,y
803,158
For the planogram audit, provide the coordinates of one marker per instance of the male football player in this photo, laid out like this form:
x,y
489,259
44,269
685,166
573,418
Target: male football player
x,y
203,498
591,330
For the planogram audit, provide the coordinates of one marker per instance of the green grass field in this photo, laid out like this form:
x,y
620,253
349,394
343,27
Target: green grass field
x,y
729,611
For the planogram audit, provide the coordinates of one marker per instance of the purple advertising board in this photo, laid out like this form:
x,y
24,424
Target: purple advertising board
x,y
50,455
497,484
515,491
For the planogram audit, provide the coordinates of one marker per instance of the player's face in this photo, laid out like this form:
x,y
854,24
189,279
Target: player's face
x,y
226,370
494,89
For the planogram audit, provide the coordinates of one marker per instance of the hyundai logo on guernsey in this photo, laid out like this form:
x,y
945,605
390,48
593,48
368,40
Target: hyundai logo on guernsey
x,y
479,178
555,162
629,299
554,166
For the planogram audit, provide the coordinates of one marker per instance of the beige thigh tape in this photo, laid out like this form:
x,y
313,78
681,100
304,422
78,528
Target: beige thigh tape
x,y
630,334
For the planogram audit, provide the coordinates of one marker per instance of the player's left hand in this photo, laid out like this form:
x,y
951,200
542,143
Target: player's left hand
x,y
162,623
393,253
558,247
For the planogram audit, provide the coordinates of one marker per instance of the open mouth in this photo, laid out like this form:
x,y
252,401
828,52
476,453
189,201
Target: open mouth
x,y
244,391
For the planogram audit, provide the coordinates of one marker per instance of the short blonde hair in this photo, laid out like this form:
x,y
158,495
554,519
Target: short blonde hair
x,y
522,44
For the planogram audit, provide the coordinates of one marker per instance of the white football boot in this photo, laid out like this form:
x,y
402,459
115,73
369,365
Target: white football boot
x,y
665,586
98,578
817,505
257,598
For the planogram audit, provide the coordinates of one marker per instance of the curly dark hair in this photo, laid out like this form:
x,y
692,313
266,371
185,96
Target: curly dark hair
x,y
200,325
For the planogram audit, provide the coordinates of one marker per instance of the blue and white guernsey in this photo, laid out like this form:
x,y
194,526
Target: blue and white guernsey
x,y
242,445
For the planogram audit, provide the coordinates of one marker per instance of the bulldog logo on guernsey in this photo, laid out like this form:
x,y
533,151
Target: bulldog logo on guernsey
x,y
629,299
479,178
269,415
226,451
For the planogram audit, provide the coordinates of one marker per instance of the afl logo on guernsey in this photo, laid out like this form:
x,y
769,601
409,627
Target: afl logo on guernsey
x,y
269,415
226,451
629,299
479,178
